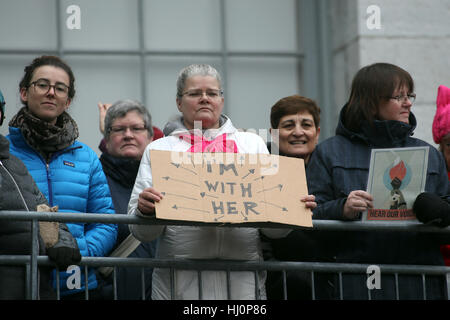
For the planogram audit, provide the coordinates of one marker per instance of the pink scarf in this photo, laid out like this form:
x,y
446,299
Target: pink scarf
x,y
219,144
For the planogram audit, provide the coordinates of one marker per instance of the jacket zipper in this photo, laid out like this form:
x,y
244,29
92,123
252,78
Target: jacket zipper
x,y
49,184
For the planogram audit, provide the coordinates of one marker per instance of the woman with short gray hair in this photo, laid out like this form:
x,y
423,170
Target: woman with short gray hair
x,y
120,109
200,102
196,70
127,131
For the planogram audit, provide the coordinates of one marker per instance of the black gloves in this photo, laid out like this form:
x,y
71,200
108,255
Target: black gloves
x,y
65,252
432,209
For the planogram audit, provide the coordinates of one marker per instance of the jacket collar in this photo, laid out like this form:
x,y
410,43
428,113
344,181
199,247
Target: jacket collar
x,y
381,134
122,170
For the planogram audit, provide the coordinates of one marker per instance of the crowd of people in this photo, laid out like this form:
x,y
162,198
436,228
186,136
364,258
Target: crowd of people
x,y
43,163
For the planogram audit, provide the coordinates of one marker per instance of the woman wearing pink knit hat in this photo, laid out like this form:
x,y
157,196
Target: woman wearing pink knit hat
x,y
441,124
441,135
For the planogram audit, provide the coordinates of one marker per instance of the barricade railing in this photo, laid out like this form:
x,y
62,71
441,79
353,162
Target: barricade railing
x,y
33,260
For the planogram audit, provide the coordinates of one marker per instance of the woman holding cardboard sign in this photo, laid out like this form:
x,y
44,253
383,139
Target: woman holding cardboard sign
x,y
200,101
377,116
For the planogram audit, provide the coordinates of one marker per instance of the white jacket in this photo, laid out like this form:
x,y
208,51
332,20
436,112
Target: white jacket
x,y
185,242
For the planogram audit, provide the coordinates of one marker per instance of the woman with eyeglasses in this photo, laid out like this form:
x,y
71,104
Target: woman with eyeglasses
x,y
127,132
377,115
19,192
68,172
201,127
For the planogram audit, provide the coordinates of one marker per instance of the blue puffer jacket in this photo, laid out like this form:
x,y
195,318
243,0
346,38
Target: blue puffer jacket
x,y
74,181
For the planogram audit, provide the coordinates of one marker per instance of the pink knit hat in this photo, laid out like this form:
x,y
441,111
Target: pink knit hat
x,y
441,122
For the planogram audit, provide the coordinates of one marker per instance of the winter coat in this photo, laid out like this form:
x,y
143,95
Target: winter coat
x,y
73,180
340,165
186,242
121,175
15,236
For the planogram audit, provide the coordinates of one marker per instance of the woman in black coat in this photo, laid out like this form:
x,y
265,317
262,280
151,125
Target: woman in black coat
x,y
18,192
127,130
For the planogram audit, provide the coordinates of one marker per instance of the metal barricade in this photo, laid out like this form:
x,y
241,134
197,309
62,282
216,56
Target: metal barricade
x,y
33,260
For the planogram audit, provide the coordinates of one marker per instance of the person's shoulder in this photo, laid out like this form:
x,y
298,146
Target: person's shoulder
x,y
416,142
15,136
82,147
247,135
336,141
15,164
82,152
163,142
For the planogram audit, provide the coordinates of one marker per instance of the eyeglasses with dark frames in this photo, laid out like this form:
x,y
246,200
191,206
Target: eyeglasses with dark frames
x,y
42,86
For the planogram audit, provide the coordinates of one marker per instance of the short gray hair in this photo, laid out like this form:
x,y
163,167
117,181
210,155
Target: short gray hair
x,y
121,108
196,70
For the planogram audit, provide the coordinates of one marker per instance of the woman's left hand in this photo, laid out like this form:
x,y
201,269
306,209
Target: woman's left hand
x,y
102,109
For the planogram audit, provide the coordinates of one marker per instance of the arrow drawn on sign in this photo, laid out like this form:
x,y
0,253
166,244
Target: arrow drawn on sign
x,y
176,208
216,219
245,218
278,186
203,194
167,178
178,165
250,171
242,158
192,161
275,205
178,195
262,177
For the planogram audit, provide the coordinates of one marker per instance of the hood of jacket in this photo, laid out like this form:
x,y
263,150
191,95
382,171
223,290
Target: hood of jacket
x,y
380,134
176,127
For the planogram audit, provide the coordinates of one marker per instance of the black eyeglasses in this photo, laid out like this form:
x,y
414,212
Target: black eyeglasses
x,y
42,86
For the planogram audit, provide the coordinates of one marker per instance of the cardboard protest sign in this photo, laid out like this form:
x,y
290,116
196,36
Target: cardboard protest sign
x,y
230,187
396,177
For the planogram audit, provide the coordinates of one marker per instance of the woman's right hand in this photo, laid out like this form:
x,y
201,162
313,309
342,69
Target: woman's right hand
x,y
147,199
357,201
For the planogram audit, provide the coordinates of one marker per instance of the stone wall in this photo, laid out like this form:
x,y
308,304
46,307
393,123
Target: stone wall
x,y
412,34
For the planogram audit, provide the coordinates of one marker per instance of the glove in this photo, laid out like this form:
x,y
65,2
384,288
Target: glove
x,y
65,252
432,209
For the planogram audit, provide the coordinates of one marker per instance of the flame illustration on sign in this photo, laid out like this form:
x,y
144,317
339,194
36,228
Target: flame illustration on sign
x,y
398,171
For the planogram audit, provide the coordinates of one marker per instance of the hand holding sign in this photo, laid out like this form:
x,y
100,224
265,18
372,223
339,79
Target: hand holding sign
x,y
147,199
